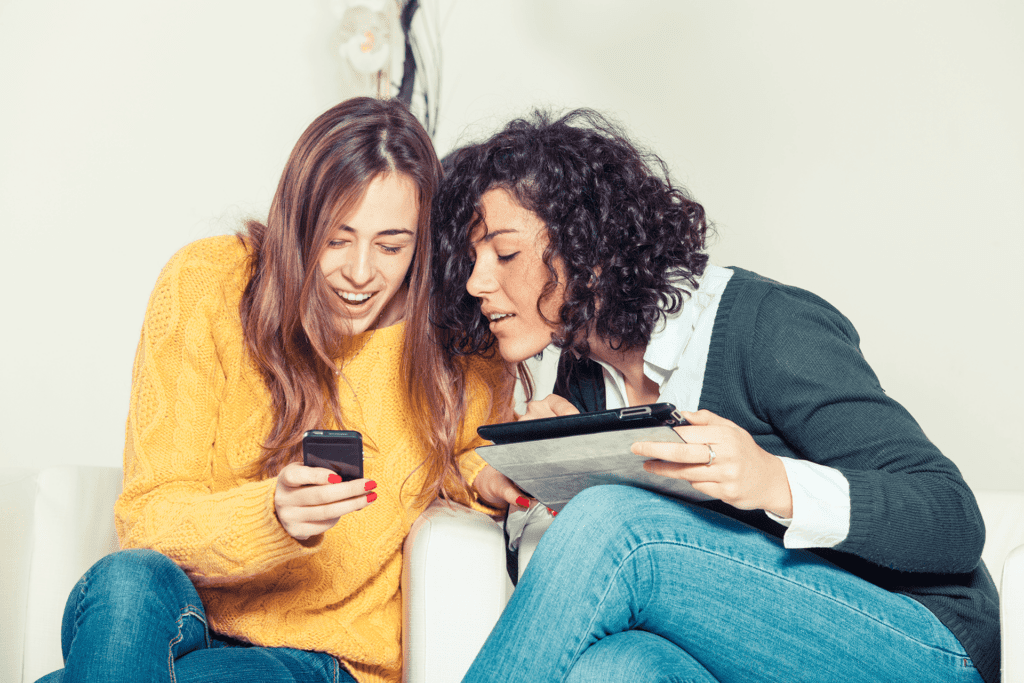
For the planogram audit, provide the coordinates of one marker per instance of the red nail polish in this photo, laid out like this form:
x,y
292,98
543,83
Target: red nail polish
x,y
370,485
522,502
334,479
370,497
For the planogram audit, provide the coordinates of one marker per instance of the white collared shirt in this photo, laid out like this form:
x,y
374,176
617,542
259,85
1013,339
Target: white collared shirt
x,y
675,359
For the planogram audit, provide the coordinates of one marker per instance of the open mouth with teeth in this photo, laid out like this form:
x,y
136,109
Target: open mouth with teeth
x,y
354,299
495,317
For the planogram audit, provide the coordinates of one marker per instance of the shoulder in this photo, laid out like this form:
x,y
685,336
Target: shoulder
x,y
210,273
223,254
206,264
751,285
761,306
491,370
489,379
784,361
773,337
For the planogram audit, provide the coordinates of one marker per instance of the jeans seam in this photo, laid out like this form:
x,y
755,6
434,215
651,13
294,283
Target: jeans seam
x,y
730,558
83,584
189,611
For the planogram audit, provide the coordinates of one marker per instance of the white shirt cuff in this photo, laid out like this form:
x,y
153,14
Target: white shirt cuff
x,y
517,522
821,506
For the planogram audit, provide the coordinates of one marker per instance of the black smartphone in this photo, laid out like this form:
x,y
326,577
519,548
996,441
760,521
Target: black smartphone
x,y
619,419
340,450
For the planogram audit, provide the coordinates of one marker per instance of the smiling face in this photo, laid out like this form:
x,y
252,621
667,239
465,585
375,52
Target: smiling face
x,y
369,254
509,276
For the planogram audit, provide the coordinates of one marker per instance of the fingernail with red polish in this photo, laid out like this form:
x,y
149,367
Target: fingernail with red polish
x,y
334,479
370,497
370,485
522,502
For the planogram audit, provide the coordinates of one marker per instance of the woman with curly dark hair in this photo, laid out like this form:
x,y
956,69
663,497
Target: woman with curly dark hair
x,y
840,544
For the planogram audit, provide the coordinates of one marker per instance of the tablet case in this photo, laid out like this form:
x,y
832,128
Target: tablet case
x,y
554,469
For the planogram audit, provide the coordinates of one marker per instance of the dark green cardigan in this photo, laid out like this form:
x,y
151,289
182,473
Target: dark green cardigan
x,y
787,367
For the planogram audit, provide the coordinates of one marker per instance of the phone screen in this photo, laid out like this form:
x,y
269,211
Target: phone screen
x,y
337,450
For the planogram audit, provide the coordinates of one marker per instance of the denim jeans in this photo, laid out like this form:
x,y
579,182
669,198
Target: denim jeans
x,y
135,616
627,585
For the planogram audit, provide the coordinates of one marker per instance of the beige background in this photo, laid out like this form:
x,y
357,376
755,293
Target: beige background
x,y
871,152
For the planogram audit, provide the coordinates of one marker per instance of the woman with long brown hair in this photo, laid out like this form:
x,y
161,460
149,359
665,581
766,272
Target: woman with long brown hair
x,y
241,563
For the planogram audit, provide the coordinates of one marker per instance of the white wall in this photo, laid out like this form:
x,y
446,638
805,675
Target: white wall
x,y
128,129
871,152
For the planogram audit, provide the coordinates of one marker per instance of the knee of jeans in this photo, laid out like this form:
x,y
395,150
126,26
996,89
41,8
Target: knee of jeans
x,y
133,564
607,508
122,589
128,575
599,499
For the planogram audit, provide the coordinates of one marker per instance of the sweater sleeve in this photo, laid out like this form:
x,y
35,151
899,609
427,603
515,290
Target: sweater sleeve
x,y
219,527
910,509
489,401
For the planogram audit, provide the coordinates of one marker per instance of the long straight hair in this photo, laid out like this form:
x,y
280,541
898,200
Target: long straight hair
x,y
287,312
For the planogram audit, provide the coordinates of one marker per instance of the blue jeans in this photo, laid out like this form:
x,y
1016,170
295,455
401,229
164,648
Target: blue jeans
x,y
135,616
627,585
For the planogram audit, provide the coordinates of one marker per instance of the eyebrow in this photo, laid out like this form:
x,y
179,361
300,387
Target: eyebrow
x,y
391,232
491,235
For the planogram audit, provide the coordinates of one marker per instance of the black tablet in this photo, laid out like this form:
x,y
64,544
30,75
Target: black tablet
x,y
634,417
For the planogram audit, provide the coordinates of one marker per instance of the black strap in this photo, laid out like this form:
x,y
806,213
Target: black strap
x,y
581,382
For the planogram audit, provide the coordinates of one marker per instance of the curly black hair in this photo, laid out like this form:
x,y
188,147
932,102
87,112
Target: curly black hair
x,y
631,243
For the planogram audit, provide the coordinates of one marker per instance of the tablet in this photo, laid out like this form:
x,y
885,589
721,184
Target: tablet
x,y
553,459
634,417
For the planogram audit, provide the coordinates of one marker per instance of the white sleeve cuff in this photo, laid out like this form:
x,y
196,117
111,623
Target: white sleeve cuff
x,y
517,522
821,506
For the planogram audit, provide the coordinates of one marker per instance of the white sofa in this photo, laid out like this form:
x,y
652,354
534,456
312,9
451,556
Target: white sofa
x,y
57,521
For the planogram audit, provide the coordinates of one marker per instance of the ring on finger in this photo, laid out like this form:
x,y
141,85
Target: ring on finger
x,y
711,455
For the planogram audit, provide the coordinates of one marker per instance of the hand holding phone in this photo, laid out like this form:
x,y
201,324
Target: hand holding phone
x,y
335,449
309,501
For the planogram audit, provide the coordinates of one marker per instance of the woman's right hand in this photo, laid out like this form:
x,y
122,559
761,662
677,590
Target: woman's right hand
x,y
552,406
310,500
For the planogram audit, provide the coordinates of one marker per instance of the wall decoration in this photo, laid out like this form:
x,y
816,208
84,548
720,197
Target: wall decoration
x,y
390,56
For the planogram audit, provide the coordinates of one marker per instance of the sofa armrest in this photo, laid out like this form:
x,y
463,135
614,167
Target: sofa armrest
x,y
17,508
454,586
1011,614
58,521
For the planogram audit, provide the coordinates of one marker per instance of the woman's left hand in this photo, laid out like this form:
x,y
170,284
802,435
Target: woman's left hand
x,y
741,473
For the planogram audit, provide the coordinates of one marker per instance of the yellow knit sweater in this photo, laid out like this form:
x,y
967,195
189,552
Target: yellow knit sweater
x,y
199,414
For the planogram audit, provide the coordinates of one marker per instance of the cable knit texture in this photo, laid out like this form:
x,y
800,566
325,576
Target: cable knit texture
x,y
199,413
